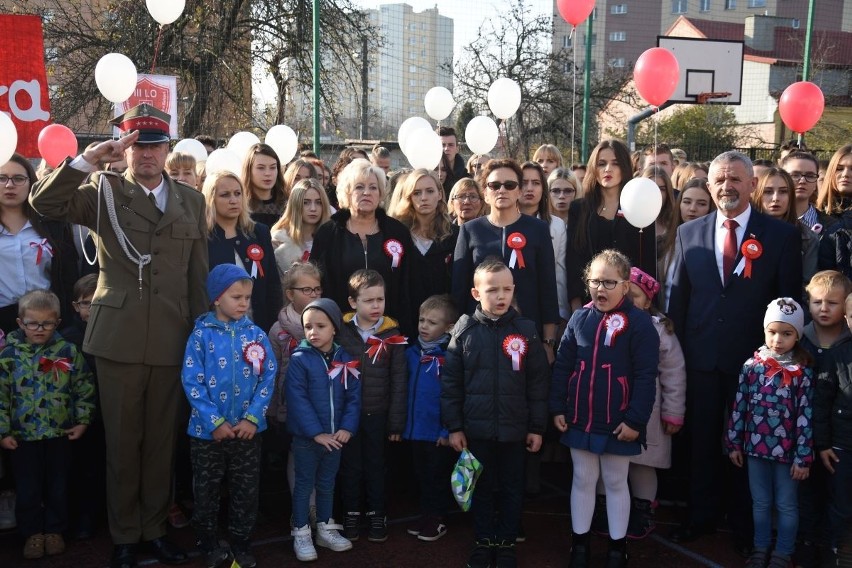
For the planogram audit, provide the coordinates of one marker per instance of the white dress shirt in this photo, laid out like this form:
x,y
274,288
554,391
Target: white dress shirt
x,y
722,233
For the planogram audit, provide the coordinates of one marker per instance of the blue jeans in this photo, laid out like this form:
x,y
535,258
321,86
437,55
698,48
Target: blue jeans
x,y
315,467
770,480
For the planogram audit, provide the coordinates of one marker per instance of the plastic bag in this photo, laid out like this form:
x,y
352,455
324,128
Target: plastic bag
x,y
463,478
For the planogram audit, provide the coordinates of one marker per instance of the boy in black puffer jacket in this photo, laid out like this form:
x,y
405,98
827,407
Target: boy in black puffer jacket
x,y
494,402
375,340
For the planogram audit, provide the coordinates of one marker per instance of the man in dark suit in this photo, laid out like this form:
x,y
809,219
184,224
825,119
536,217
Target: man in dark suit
x,y
728,266
152,249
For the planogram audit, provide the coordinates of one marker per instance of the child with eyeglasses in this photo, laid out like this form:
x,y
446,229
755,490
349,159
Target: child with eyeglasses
x,y
601,397
301,283
47,399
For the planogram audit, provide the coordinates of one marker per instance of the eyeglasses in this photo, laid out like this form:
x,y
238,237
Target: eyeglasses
x,y
36,325
308,291
561,192
594,283
83,304
809,176
496,185
16,180
472,198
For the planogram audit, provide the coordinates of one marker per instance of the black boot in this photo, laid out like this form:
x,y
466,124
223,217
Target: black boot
x,y
215,555
617,555
580,553
641,518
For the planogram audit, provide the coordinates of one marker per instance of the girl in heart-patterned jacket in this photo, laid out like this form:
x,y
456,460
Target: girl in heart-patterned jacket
x,y
771,424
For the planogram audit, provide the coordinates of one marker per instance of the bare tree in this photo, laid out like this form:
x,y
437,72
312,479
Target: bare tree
x,y
212,49
517,45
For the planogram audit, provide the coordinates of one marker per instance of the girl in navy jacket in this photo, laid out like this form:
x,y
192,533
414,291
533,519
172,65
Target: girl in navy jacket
x,y
602,395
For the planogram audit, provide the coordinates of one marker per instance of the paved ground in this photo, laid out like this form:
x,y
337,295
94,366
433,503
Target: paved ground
x,y
545,519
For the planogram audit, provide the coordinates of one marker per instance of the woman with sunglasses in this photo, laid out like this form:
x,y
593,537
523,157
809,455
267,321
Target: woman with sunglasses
x,y
595,221
521,241
35,253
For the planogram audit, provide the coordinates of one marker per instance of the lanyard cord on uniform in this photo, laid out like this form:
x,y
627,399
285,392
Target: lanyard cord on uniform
x,y
133,255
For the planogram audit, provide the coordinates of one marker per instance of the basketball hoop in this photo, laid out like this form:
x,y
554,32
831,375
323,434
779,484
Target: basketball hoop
x,y
702,98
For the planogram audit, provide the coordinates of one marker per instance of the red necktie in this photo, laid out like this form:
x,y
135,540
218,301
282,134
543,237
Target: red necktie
x,y
729,253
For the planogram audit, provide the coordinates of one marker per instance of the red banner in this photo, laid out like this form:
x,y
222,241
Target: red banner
x,y
23,81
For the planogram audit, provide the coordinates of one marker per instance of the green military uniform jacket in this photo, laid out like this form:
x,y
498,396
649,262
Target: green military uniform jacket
x,y
124,327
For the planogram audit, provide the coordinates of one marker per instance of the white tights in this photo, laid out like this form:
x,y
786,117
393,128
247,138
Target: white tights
x,y
613,470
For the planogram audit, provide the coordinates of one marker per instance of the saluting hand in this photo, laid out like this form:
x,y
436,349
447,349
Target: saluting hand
x,y
110,150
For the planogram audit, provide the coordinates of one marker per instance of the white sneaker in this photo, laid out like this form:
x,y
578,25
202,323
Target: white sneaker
x,y
303,545
329,537
7,510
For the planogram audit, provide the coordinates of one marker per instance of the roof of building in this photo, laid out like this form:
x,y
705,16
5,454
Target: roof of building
x,y
832,48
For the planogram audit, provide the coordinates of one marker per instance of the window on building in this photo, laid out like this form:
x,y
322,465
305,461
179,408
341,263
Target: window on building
x,y
618,9
412,40
412,27
594,39
757,3
730,4
703,5
616,62
412,55
412,68
412,82
566,41
796,23
412,96
618,36
679,6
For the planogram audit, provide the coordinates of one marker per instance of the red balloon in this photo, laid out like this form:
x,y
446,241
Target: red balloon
x,y
575,11
656,75
801,106
55,143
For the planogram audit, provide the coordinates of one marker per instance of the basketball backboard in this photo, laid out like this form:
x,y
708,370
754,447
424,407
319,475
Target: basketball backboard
x,y
708,68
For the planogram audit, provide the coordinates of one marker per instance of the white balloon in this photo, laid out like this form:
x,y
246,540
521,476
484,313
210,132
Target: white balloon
x,y
192,147
504,97
284,141
481,134
8,138
439,103
240,143
225,160
414,137
424,149
165,11
641,202
116,77
408,126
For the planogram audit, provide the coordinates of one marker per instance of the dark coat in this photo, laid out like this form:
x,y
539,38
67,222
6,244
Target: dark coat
x,y
481,393
317,402
384,384
833,400
596,386
601,234
339,253
720,326
431,273
535,285
266,295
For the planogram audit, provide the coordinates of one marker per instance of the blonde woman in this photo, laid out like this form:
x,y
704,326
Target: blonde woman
x,y
466,201
548,157
296,171
419,205
293,233
564,188
362,235
233,238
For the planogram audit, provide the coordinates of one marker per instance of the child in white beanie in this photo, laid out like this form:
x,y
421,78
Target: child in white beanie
x,y
771,424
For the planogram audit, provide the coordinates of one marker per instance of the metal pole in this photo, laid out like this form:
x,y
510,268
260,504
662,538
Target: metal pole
x,y
316,69
587,91
806,67
365,86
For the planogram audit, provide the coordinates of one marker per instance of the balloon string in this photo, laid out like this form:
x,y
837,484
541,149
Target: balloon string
x,y
156,49
573,92
503,135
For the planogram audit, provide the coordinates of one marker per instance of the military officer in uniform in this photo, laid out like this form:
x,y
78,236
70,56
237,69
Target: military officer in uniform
x,y
150,233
